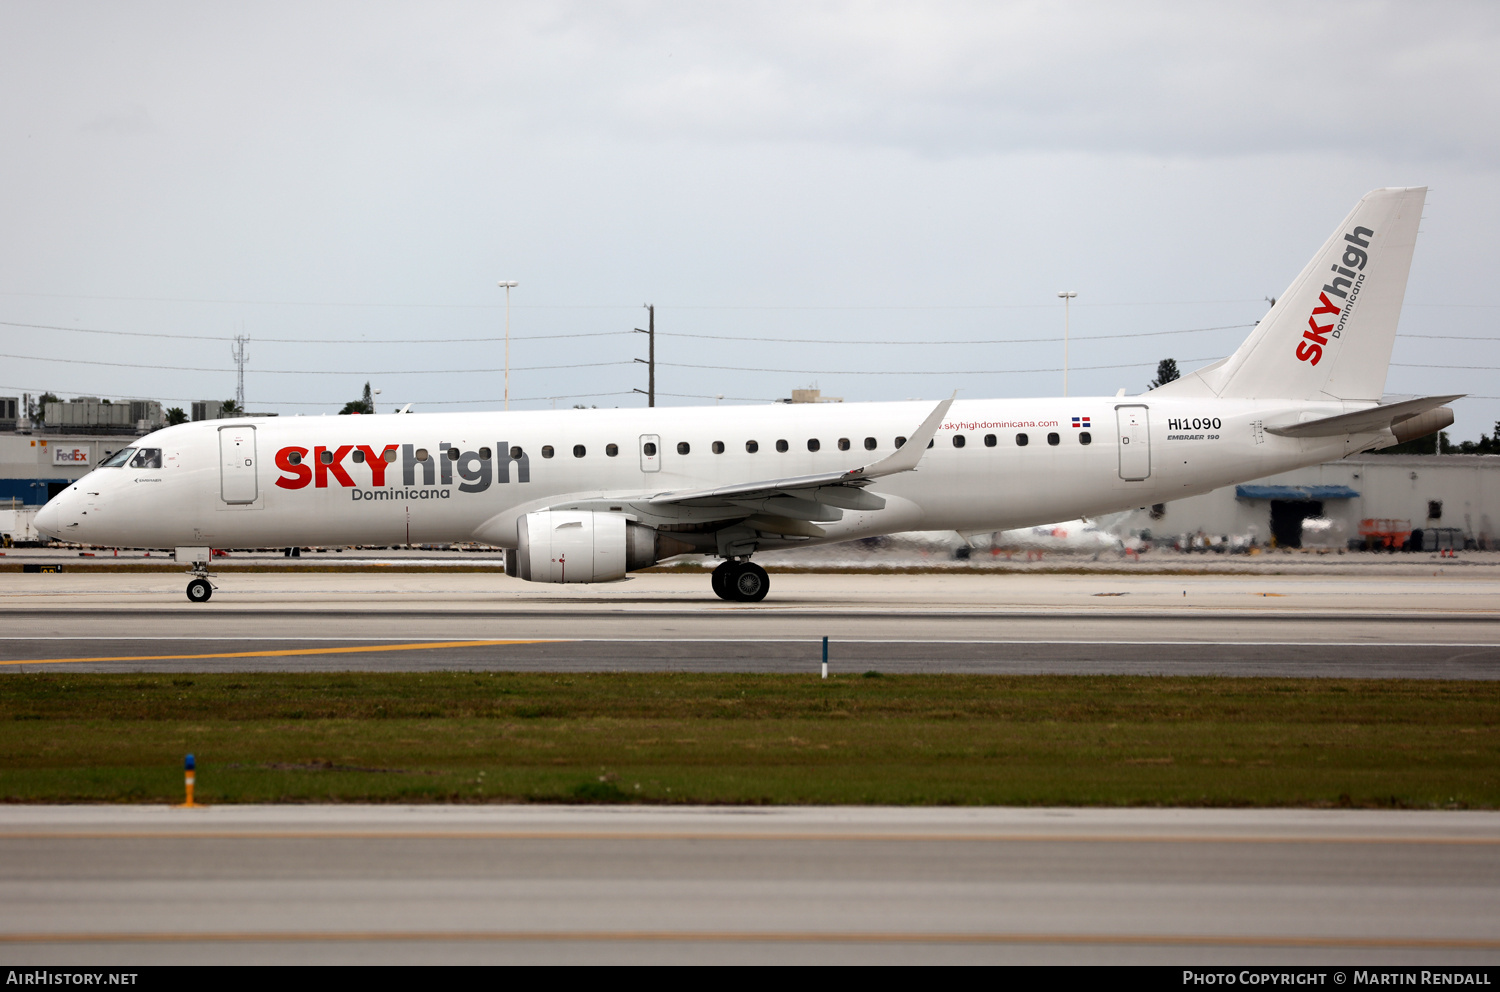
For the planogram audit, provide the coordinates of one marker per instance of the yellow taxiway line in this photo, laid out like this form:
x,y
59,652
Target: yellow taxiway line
x,y
286,653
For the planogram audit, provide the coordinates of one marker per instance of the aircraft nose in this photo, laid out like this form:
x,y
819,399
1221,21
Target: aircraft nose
x,y
49,519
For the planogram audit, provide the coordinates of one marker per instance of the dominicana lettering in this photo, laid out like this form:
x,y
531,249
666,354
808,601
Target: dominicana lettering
x,y
423,476
358,494
1348,280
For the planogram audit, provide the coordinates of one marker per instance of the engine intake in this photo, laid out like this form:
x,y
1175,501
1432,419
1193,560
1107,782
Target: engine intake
x,y
584,546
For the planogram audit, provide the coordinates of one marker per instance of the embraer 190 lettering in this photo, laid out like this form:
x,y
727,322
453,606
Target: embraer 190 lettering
x,y
590,495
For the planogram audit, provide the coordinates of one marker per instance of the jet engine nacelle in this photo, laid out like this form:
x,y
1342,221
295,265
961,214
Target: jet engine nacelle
x,y
581,546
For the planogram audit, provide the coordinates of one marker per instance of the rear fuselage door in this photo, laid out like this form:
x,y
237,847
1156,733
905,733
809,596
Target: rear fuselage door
x,y
237,467
650,452
1135,443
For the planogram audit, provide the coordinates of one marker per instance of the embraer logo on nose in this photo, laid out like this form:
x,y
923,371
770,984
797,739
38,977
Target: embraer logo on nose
x,y
1348,280
475,469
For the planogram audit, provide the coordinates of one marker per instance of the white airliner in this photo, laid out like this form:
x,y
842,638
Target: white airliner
x,y
589,495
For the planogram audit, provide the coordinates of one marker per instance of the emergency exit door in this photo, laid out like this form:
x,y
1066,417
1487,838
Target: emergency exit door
x,y
237,464
1135,443
650,452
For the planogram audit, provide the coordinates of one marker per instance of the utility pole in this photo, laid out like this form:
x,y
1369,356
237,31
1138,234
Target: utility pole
x,y
507,285
650,360
1065,298
240,356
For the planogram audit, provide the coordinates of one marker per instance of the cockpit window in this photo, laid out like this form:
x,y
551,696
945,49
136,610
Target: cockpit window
x,y
147,458
118,458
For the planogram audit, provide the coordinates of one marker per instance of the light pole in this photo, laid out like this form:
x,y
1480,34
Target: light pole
x,y
507,285
1065,298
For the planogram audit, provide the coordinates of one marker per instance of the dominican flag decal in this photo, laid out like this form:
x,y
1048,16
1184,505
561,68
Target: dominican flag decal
x,y
1080,421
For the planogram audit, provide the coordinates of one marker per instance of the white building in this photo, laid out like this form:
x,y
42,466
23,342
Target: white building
x,y
1328,505
36,467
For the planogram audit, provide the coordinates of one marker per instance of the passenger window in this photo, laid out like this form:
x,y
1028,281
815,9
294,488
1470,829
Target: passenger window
x,y
327,456
869,444
579,451
958,440
683,447
390,455
900,441
843,444
421,455
1085,438
1053,439
516,452
452,456
611,450
294,458
781,445
752,446
813,444
1022,440
547,451
718,447
649,448
989,440
358,455
484,454
147,458
121,457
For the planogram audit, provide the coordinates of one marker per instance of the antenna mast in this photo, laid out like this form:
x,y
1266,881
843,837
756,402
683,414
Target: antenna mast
x,y
240,356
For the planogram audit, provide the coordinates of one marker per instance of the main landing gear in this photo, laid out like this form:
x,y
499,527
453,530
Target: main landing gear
x,y
741,582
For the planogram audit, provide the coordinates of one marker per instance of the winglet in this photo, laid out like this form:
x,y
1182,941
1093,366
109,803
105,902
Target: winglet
x,y
906,457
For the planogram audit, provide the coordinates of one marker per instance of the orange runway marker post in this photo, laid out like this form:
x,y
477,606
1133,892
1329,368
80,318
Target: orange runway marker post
x,y
188,770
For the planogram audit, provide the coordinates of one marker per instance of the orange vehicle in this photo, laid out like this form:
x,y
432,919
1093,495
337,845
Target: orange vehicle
x,y
1384,533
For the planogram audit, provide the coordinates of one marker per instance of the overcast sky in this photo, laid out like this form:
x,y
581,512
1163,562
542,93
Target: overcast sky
x,y
886,177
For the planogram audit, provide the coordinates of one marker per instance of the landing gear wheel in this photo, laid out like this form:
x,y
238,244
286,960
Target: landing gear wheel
x,y
199,591
719,580
749,583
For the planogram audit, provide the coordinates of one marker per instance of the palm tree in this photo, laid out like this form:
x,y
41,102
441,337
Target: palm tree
x,y
176,416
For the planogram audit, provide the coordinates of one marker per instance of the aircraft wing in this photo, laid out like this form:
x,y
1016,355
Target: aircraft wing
x,y
1371,421
841,489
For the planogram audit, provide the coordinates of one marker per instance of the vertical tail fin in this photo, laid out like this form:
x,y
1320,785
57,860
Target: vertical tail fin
x,y
1329,336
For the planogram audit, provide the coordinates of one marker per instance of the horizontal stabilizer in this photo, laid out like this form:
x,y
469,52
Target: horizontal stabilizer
x,y
1371,421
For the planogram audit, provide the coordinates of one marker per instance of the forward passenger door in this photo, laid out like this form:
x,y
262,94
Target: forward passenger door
x,y
237,464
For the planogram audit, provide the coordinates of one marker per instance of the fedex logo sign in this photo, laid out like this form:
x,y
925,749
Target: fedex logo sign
x,y
423,475
1348,280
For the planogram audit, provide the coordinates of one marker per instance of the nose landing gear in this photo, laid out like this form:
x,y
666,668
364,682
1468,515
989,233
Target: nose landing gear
x,y
740,582
199,589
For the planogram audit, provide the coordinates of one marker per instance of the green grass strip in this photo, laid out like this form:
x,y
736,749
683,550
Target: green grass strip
x,y
700,738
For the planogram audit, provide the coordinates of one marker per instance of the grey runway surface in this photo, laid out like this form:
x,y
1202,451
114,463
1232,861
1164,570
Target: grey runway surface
x,y
1443,624
768,641
124,885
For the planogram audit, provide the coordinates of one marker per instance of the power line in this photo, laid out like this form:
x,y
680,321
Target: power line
x,y
190,368
448,402
310,303
363,341
1081,368
676,334
1047,340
